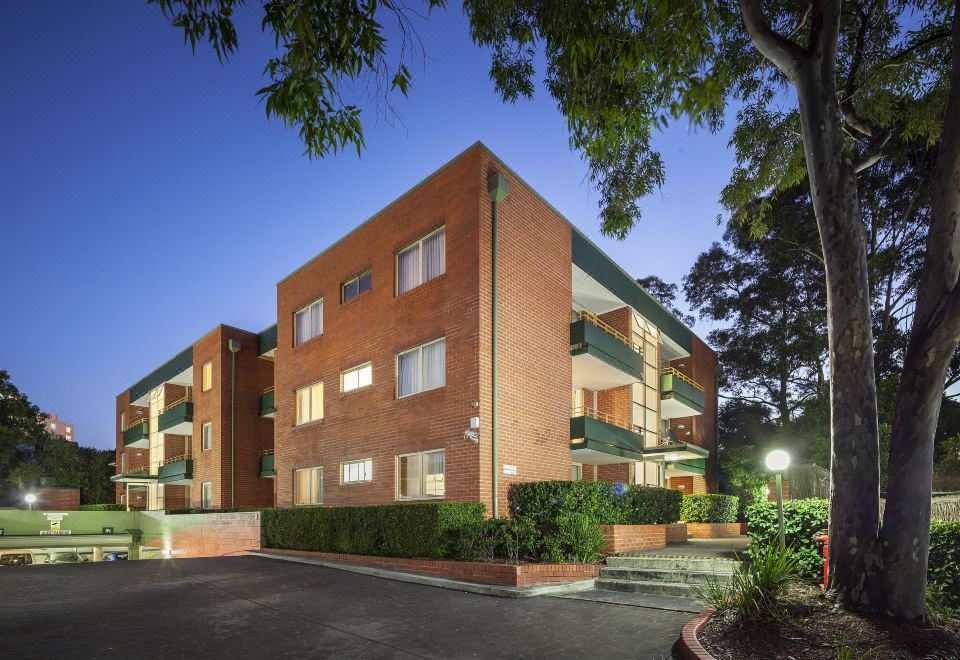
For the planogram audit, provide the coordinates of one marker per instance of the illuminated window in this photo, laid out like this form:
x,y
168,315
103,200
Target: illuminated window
x,y
206,376
354,471
354,379
308,486
206,495
309,403
421,476
206,435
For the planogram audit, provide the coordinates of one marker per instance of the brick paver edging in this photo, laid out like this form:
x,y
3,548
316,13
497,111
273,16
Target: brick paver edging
x,y
690,647
511,575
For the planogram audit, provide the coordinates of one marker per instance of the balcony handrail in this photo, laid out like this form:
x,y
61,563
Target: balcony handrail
x,y
670,371
137,421
269,389
584,315
607,418
267,452
186,398
186,456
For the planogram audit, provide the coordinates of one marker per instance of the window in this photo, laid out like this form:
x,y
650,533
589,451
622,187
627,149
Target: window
x,y
308,322
354,379
206,435
354,287
420,476
69,430
206,376
354,471
308,486
309,403
421,368
577,474
422,261
206,495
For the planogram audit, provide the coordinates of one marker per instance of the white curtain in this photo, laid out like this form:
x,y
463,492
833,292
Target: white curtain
x,y
316,401
433,365
408,266
408,367
434,255
316,487
410,476
316,320
433,474
301,326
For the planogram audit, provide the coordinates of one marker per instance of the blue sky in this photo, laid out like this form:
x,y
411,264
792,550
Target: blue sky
x,y
144,196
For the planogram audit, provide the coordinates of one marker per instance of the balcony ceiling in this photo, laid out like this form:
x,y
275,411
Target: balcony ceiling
x,y
595,374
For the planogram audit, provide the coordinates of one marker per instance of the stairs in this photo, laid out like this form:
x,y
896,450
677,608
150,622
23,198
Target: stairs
x,y
663,575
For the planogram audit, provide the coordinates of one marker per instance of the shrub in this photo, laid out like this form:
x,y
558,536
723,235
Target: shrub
x,y
756,586
103,507
499,538
709,508
395,530
545,503
802,519
943,571
577,539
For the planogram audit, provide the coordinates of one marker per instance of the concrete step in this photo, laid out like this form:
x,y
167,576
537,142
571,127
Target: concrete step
x,y
657,575
648,587
666,563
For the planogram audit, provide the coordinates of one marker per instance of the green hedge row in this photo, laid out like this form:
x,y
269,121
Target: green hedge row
x,y
709,508
395,530
103,507
943,570
802,519
546,503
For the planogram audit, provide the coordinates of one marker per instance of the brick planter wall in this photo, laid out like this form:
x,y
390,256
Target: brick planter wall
x,y
474,571
204,534
628,538
714,530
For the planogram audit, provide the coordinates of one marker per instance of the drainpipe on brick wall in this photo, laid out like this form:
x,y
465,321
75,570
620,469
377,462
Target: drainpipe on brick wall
x,y
234,346
498,189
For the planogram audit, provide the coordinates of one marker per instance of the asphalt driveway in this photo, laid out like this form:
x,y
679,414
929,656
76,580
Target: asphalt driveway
x,y
252,607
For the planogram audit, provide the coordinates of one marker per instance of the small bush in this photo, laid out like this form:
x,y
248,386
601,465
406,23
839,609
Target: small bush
x,y
545,503
499,538
802,520
755,589
434,529
709,508
943,570
576,539
103,507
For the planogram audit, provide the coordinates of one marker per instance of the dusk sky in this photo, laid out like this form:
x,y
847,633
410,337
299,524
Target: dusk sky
x,y
145,197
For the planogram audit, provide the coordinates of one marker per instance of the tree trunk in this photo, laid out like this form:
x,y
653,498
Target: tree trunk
x,y
933,340
854,465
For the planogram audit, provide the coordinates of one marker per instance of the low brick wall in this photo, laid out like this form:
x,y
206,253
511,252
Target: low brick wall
x,y
473,571
628,538
714,530
203,534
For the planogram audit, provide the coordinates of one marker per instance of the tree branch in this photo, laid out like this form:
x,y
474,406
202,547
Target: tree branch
x,y
787,55
874,150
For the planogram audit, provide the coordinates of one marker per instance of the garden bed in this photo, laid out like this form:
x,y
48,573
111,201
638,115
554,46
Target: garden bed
x,y
811,628
630,538
511,575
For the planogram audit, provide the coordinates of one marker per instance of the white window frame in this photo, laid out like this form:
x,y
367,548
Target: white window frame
x,y
421,455
206,503
358,369
420,388
204,445
356,278
314,472
419,243
576,472
296,404
299,341
364,473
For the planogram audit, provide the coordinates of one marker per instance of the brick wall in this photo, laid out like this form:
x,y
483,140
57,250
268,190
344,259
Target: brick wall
x,y
694,484
772,490
204,535
630,538
714,530
50,498
701,430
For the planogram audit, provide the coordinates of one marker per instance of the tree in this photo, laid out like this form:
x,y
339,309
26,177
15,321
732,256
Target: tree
x,y
666,294
21,428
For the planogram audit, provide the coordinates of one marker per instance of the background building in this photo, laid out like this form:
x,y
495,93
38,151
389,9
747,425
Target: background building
x,y
57,426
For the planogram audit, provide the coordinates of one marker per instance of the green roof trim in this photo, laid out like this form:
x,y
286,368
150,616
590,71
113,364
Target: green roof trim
x,y
175,365
591,259
267,340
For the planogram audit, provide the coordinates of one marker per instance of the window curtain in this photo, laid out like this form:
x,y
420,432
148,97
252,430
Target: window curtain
x,y
316,402
301,326
409,372
316,319
433,474
408,265
410,476
316,486
434,254
433,365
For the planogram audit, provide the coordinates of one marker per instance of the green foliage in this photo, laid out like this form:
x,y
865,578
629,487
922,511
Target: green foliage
x,y
499,538
756,587
709,508
103,507
545,503
803,519
394,530
943,570
576,538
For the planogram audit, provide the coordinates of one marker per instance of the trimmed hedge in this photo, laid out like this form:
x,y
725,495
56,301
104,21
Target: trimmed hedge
x,y
709,508
103,507
802,519
431,530
943,571
546,503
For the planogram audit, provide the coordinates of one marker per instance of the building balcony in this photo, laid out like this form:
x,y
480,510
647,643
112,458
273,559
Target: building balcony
x,y
597,438
267,465
137,434
176,470
267,405
681,459
267,342
680,395
177,417
602,356
135,475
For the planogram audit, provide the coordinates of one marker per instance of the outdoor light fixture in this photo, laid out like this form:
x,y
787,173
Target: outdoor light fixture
x,y
30,498
778,461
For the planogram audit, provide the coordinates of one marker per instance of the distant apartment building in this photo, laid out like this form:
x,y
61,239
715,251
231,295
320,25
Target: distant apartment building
x,y
465,338
193,431
57,426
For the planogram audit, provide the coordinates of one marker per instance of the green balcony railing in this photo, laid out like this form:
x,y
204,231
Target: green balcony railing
x,y
176,470
590,429
177,418
267,466
267,405
137,434
590,335
681,390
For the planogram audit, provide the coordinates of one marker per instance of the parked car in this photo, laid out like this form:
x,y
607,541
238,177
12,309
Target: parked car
x,y
16,559
64,558
114,556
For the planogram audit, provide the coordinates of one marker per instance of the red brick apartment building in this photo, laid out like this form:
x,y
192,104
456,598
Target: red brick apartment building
x,y
57,426
465,338
186,437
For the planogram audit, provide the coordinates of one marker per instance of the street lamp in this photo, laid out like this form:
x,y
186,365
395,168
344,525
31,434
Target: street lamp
x,y
778,461
30,498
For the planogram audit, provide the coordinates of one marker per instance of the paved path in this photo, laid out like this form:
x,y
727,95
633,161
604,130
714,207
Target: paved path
x,y
250,607
727,548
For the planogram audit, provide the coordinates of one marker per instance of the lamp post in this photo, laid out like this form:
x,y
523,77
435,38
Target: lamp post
x,y
778,461
30,498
